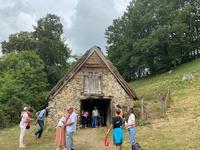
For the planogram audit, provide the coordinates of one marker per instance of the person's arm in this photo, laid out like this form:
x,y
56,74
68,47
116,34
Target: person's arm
x,y
72,120
69,124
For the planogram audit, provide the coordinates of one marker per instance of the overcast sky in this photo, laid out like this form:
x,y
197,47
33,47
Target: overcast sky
x,y
84,21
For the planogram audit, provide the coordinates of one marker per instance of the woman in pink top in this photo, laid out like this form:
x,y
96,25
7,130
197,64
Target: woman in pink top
x,y
85,118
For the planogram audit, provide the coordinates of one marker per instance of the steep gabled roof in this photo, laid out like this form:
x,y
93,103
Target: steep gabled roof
x,y
78,66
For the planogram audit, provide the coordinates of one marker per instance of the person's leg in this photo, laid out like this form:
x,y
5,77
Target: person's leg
x,y
72,140
41,124
132,135
117,147
95,122
38,133
21,137
40,128
86,122
83,123
120,148
69,141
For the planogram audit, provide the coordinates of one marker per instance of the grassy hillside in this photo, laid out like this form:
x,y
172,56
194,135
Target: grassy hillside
x,y
179,128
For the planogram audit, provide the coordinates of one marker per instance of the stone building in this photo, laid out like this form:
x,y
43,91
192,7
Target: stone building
x,y
92,82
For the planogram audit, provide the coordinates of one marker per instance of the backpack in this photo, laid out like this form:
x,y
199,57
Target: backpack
x,y
37,114
136,146
29,122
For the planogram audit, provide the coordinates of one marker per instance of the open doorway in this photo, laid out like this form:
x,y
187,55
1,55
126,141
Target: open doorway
x,y
103,107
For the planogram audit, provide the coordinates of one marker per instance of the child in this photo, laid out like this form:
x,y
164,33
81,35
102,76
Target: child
x,y
118,136
120,108
60,132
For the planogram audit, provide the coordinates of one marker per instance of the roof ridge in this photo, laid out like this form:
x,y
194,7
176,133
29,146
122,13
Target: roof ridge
x,y
79,64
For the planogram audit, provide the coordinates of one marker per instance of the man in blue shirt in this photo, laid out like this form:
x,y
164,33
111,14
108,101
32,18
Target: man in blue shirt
x,y
40,120
70,123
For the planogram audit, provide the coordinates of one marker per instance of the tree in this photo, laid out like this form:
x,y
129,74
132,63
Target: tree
x,y
154,36
18,42
47,41
22,82
51,46
22,76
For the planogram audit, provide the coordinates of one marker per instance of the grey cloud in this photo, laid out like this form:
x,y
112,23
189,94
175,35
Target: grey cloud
x,y
84,21
88,28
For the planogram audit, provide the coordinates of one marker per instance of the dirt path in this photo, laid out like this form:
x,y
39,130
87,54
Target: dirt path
x,y
91,139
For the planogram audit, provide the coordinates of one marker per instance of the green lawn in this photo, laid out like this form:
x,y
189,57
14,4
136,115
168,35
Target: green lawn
x,y
180,126
177,129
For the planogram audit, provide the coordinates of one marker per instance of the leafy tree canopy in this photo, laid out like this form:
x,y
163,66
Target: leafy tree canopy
x,y
47,41
153,36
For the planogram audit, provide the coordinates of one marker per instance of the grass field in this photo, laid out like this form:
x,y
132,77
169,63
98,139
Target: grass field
x,y
177,129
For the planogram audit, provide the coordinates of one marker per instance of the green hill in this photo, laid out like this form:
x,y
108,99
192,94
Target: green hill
x,y
179,127
176,129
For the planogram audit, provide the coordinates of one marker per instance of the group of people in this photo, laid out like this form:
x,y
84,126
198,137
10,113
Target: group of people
x,y
65,128
92,120
67,125
117,123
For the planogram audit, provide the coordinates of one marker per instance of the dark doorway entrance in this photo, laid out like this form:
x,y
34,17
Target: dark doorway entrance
x,y
103,106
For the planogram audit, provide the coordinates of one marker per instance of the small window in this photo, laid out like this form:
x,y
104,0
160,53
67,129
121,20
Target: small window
x,y
92,84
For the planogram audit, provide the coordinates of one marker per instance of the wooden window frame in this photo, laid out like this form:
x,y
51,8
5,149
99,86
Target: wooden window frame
x,y
92,83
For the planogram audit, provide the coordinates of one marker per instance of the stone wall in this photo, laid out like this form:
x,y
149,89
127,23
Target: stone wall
x,y
71,94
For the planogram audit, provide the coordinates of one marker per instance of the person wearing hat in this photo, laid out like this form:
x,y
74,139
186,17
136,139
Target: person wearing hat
x,y
40,121
24,122
71,123
130,125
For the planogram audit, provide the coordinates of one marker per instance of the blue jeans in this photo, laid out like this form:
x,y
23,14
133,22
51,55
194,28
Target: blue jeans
x,y
39,132
131,132
94,121
69,140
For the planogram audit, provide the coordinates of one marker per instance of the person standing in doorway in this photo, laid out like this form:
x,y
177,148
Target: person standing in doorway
x,y
94,117
85,118
71,123
40,121
130,125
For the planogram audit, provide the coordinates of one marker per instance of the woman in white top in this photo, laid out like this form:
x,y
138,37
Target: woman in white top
x,y
131,127
60,132
23,124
